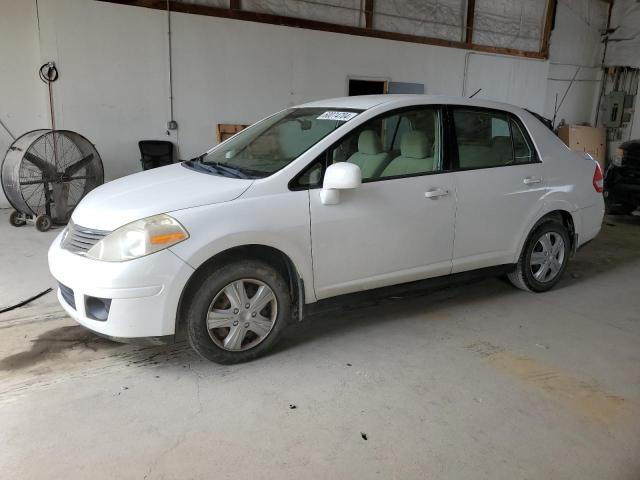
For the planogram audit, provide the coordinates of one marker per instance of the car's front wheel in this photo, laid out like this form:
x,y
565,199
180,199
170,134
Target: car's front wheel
x,y
543,259
237,311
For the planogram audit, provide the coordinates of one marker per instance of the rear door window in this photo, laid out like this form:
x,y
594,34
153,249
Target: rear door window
x,y
490,138
483,139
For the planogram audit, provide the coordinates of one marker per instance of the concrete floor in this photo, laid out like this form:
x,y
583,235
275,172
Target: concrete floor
x,y
480,381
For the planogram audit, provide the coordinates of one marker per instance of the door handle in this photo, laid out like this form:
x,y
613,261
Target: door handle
x,y
532,180
435,193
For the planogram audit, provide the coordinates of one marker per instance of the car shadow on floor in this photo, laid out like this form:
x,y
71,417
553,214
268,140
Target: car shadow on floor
x,y
607,252
84,346
386,310
610,250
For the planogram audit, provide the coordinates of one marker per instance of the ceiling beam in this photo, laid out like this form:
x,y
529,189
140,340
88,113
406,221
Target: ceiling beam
x,y
249,16
471,10
549,22
368,14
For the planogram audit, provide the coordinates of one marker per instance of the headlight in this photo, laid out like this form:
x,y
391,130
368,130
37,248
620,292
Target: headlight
x,y
617,157
138,239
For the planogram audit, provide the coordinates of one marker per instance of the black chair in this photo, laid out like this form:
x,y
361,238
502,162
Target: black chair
x,y
155,153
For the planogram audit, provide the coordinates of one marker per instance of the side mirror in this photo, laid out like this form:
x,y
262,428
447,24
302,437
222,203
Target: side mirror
x,y
339,176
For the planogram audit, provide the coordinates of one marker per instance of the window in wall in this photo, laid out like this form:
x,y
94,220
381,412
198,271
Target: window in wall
x,y
483,138
406,143
366,87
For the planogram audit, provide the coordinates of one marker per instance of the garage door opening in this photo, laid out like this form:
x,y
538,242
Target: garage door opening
x,y
367,87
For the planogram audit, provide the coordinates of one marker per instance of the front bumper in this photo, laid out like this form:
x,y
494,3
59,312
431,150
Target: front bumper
x,y
144,292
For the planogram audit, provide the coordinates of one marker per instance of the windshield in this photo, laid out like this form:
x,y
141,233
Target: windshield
x,y
272,144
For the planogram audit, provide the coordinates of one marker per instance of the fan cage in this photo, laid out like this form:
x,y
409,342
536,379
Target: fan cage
x,y
72,169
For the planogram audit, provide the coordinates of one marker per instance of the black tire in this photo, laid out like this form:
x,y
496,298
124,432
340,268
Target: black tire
x,y
43,223
625,209
523,277
617,208
210,283
16,220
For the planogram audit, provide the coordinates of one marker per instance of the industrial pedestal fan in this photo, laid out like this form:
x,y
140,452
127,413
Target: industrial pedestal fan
x,y
45,174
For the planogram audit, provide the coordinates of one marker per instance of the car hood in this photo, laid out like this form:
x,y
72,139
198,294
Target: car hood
x,y
151,192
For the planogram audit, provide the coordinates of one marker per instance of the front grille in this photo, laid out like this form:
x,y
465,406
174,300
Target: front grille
x,y
80,239
68,296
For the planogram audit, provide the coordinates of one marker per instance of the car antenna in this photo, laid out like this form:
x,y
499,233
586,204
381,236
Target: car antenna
x,y
475,93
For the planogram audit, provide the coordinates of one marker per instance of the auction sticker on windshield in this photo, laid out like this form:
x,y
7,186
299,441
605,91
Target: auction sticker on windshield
x,y
339,116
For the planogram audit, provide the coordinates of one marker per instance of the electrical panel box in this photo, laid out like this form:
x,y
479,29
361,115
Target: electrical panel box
x,y
628,101
613,108
627,115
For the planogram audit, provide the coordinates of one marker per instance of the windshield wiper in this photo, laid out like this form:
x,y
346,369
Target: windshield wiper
x,y
217,167
235,171
224,168
198,165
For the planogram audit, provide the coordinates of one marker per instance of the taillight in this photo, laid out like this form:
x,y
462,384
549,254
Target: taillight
x,y
598,180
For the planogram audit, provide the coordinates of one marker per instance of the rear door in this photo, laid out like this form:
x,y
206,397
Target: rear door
x,y
500,186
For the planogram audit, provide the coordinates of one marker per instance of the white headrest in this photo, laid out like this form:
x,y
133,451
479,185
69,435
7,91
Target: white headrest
x,y
369,143
415,144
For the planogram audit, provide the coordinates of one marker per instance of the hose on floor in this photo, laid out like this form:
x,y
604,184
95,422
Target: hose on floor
x,y
24,302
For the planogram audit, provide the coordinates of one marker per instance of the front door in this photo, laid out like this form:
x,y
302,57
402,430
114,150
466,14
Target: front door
x,y
398,225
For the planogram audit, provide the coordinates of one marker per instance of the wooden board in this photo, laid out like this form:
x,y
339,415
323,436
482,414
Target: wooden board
x,y
226,130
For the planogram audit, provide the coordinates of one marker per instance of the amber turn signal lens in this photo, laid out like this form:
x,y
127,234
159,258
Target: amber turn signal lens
x,y
169,238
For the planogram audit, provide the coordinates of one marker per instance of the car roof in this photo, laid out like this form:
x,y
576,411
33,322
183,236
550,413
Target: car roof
x,y
365,102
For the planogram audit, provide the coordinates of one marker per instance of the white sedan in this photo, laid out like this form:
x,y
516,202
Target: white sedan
x,y
322,200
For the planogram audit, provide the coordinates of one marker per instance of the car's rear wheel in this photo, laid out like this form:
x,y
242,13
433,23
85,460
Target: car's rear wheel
x,y
237,311
543,259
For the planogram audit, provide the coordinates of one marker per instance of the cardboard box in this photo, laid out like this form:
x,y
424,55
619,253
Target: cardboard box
x,y
585,139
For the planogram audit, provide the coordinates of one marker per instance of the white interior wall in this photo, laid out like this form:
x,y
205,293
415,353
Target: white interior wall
x,y
576,42
245,78
506,79
113,85
22,94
